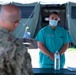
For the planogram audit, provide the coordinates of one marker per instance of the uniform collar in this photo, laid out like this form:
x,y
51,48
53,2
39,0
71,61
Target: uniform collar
x,y
4,30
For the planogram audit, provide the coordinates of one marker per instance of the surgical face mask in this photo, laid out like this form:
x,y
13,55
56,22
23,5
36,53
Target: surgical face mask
x,y
53,22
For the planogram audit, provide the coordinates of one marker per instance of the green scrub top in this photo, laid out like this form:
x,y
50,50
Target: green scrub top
x,y
53,41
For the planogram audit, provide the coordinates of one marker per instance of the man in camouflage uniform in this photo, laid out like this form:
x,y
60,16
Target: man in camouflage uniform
x,y
14,58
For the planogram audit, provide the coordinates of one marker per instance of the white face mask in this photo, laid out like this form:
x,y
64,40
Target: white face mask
x,y
53,22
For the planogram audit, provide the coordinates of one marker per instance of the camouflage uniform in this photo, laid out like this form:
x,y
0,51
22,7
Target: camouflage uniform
x,y
14,58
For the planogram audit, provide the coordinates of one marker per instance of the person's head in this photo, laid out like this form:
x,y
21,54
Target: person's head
x,y
9,16
53,19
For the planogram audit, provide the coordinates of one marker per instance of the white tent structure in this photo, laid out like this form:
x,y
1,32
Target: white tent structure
x,y
67,10
41,1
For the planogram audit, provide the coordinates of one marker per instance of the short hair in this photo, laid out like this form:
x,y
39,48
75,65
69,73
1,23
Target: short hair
x,y
54,12
13,11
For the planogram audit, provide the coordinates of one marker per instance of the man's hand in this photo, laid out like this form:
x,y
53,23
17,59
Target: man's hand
x,y
52,56
42,47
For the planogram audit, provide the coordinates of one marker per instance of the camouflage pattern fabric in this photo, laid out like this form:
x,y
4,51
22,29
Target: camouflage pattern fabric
x,y
14,58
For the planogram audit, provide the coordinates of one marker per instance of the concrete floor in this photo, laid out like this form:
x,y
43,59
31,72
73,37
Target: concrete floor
x,y
70,58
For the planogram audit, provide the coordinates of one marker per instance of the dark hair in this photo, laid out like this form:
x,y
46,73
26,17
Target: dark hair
x,y
54,12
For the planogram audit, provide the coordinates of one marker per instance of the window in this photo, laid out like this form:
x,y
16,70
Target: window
x,y
73,12
26,11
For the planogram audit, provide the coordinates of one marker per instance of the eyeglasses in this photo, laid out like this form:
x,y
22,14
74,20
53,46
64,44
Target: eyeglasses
x,y
18,21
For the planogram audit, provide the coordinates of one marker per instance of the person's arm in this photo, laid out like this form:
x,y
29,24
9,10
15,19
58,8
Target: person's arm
x,y
64,48
44,50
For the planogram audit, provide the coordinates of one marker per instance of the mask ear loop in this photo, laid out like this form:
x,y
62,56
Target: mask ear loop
x,y
58,19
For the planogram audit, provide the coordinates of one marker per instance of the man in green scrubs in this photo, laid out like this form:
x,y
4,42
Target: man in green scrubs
x,y
50,39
